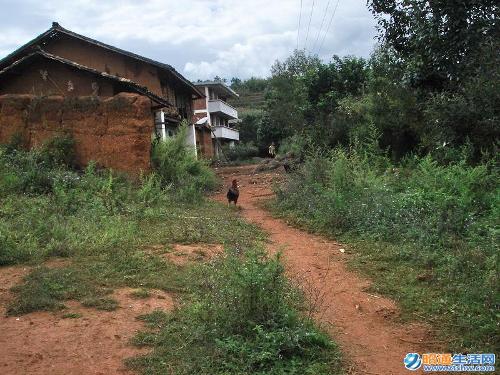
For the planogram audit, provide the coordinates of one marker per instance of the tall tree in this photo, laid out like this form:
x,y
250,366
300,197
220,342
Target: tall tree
x,y
441,41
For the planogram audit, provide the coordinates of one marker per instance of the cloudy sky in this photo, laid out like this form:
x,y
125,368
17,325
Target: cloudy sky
x,y
201,38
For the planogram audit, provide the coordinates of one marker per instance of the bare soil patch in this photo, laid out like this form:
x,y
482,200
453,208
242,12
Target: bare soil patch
x,y
183,254
92,342
363,324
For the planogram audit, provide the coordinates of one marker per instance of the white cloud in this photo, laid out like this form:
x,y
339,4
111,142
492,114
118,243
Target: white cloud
x,y
201,38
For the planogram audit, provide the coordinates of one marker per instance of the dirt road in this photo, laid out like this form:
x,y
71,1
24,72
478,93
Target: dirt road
x,y
363,324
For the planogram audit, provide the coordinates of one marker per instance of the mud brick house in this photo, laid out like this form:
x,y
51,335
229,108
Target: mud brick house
x,y
214,111
68,65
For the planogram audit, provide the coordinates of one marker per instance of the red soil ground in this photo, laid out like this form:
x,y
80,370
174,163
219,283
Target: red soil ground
x,y
46,343
363,324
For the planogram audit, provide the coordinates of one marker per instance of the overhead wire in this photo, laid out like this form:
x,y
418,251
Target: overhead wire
x,y
328,28
321,26
309,25
298,29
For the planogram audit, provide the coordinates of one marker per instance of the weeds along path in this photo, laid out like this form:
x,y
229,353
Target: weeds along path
x,y
363,324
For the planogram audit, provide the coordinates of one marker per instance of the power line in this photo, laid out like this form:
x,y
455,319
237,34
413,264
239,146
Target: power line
x,y
328,28
321,26
298,30
309,25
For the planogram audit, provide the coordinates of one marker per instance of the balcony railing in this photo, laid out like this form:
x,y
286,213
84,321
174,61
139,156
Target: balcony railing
x,y
219,106
224,132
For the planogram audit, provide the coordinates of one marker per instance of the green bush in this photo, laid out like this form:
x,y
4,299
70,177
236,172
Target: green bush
x,y
178,169
297,145
440,221
59,151
54,211
241,151
39,170
244,319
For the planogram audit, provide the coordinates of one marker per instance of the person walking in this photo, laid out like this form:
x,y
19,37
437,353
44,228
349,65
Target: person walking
x,y
272,150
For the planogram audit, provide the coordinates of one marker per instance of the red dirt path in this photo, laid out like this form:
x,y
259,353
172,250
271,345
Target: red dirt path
x,y
363,324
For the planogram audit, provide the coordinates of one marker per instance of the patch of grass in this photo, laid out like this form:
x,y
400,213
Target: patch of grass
x,y
425,293
103,303
71,316
140,293
155,319
90,279
142,339
45,289
242,318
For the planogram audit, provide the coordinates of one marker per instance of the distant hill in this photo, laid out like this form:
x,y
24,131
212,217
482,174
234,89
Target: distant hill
x,y
252,92
248,101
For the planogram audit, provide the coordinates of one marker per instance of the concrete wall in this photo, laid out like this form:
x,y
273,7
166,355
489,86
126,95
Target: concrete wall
x,y
114,132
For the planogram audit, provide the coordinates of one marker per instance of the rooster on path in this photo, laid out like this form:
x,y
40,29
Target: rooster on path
x,y
233,193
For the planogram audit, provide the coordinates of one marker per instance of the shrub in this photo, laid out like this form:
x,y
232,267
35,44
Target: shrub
x,y
241,151
296,145
244,319
59,151
436,220
178,169
40,169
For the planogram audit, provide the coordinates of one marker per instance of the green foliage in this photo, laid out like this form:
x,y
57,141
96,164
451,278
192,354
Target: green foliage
x,y
39,171
59,151
304,96
296,146
102,303
249,125
15,143
141,293
178,169
241,151
71,316
243,319
440,42
468,116
439,221
95,212
252,84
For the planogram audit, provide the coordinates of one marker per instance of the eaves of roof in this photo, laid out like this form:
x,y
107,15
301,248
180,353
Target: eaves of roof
x,y
56,28
126,82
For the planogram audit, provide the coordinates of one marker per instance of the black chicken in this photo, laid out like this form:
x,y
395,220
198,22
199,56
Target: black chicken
x,y
233,193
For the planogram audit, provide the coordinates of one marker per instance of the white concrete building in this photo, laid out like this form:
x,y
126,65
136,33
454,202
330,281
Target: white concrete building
x,y
214,111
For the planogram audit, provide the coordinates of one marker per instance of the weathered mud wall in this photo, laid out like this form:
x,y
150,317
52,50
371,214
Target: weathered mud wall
x,y
114,132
